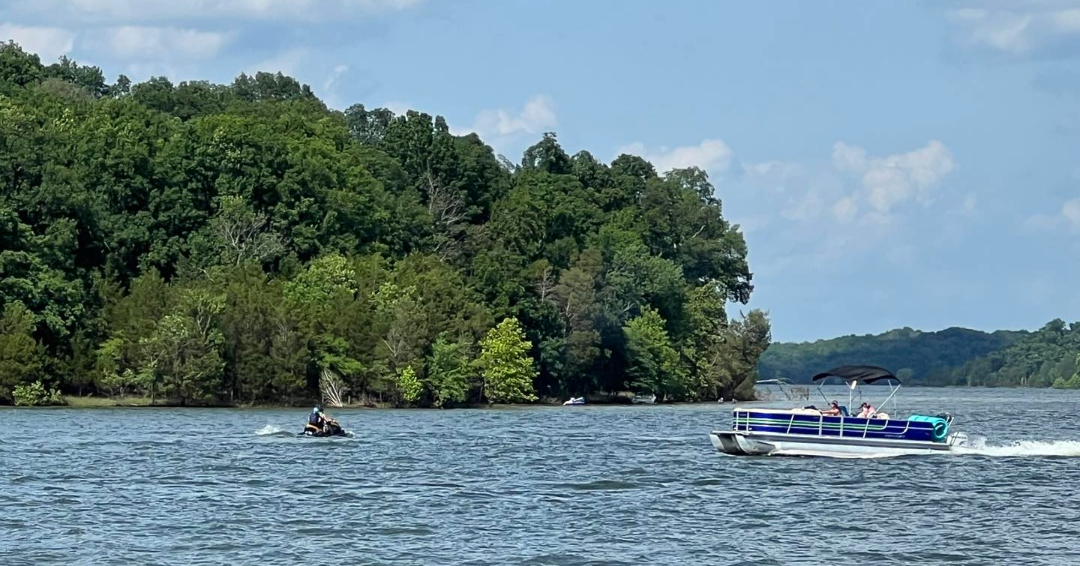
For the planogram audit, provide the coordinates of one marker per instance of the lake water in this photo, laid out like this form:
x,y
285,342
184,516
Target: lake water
x,y
552,485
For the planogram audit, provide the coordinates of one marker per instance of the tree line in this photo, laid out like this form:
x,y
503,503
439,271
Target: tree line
x,y
244,243
912,355
1047,357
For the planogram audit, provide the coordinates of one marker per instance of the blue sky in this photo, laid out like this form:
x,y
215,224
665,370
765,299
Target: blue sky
x,y
891,163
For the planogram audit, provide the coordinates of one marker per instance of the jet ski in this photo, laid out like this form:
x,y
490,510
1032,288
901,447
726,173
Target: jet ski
x,y
332,428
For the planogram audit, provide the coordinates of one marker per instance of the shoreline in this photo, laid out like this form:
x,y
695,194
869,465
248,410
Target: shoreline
x,y
91,402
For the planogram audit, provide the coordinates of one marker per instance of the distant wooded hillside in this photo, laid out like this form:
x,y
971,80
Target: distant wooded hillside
x,y
926,357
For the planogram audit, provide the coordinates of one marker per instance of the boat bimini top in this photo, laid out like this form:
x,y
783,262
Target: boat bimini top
x,y
856,375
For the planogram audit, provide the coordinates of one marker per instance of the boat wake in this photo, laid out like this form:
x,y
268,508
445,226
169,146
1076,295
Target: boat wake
x,y
1025,448
272,430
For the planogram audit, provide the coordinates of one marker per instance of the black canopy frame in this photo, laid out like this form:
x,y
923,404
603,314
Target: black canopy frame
x,y
861,374
856,375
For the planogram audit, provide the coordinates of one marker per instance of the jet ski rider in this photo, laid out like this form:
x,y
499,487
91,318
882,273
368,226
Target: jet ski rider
x,y
317,420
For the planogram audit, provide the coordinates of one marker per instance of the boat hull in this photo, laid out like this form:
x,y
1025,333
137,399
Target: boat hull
x,y
742,443
802,432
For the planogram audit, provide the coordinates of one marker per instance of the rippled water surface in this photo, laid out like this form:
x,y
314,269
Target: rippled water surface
x,y
562,485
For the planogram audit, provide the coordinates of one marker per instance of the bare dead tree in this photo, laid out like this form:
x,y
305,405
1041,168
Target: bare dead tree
x,y
448,214
545,283
243,232
332,388
444,205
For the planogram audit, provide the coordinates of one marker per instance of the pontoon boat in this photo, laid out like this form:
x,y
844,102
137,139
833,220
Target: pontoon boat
x,y
812,432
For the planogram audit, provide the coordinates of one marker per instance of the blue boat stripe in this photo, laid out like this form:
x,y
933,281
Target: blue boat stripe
x,y
928,430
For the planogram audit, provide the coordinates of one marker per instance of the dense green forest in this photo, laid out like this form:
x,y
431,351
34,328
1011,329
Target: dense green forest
x,y
955,356
910,354
204,243
1044,358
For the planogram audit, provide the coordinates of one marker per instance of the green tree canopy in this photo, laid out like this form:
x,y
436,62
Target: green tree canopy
x,y
505,366
232,243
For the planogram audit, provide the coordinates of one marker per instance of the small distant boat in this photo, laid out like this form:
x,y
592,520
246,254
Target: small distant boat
x,y
809,432
575,401
644,399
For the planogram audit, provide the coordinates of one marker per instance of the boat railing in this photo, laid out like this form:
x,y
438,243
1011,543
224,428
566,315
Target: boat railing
x,y
743,417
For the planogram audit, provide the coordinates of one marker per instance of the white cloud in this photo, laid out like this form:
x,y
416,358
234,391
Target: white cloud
x,y
847,158
536,117
1003,31
776,171
1071,212
797,192
822,205
334,79
712,155
135,11
846,208
802,216
145,43
1043,222
1067,217
48,42
963,208
806,207
858,183
1015,28
331,87
888,181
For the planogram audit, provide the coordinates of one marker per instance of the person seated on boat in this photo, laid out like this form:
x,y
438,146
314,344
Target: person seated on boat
x,y
833,410
316,420
866,411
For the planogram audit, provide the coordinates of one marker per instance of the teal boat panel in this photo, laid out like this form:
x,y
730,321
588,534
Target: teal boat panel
x,y
941,426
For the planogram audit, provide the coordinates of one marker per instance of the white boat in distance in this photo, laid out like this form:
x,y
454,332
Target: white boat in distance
x,y
643,399
809,432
